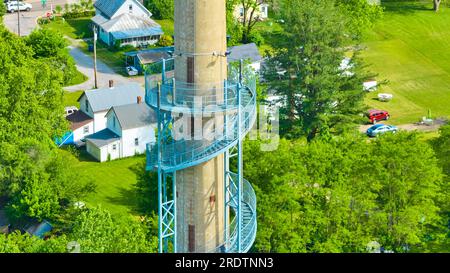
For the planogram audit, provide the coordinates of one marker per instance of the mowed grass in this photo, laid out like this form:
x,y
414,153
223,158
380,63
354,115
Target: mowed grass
x,y
115,181
410,48
71,98
77,28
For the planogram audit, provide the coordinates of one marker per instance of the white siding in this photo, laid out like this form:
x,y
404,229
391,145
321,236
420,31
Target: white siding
x,y
113,126
256,66
125,8
88,110
101,154
93,150
79,133
99,121
144,135
104,36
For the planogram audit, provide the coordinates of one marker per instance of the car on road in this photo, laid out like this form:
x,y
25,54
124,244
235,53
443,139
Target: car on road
x,y
132,71
378,129
13,6
377,115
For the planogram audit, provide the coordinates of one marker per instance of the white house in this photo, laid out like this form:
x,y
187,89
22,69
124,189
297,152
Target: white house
x,y
97,102
248,52
129,129
126,22
81,125
261,12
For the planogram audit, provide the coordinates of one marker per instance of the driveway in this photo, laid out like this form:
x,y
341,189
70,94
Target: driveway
x,y
28,20
85,64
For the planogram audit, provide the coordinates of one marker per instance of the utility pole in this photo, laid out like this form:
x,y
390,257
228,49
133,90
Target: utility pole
x,y
18,18
95,57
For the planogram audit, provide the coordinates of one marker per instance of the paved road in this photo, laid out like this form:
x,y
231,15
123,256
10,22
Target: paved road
x,y
28,19
85,65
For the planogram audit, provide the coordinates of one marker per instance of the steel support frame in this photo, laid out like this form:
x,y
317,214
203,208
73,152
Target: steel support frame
x,y
167,203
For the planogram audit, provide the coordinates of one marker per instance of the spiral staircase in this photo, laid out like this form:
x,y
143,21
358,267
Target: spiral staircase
x,y
235,101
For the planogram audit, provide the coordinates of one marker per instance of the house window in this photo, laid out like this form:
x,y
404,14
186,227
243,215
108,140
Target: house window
x,y
130,7
114,147
136,142
87,105
114,122
241,12
86,129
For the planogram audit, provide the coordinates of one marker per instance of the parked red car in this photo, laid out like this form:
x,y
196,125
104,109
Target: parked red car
x,y
377,115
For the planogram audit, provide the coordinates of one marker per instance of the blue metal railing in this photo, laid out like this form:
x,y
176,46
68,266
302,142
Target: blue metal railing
x,y
184,153
248,219
232,104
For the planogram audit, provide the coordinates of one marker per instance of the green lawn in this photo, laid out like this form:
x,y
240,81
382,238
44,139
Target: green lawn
x,y
167,26
409,48
71,98
115,181
78,28
78,79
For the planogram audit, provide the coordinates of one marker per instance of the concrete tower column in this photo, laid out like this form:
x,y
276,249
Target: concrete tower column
x,y
200,30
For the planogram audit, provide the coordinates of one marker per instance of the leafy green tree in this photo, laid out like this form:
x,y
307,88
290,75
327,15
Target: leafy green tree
x,y
234,28
50,47
250,17
361,15
340,194
96,231
35,180
319,97
24,243
165,40
2,10
161,9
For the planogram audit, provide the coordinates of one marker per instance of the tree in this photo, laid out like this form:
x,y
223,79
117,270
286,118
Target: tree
x,y
319,97
2,10
165,40
249,17
50,46
96,231
234,28
161,9
340,194
436,5
361,15
35,178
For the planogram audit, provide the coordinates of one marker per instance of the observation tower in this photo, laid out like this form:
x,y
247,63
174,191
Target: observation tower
x,y
204,111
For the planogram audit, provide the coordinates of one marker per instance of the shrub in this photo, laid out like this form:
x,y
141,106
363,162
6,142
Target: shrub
x,y
165,40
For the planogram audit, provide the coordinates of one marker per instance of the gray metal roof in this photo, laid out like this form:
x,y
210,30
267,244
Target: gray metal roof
x,y
245,52
103,138
105,98
128,21
134,115
110,7
99,19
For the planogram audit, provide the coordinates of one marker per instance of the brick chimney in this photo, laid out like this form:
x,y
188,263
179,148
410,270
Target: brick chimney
x,y
111,84
139,100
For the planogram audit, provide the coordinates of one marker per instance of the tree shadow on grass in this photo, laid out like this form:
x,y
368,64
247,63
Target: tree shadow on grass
x,y
406,7
141,198
126,198
82,27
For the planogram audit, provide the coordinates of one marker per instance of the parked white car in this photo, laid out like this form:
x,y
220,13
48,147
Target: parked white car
x,y
70,110
132,71
13,6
